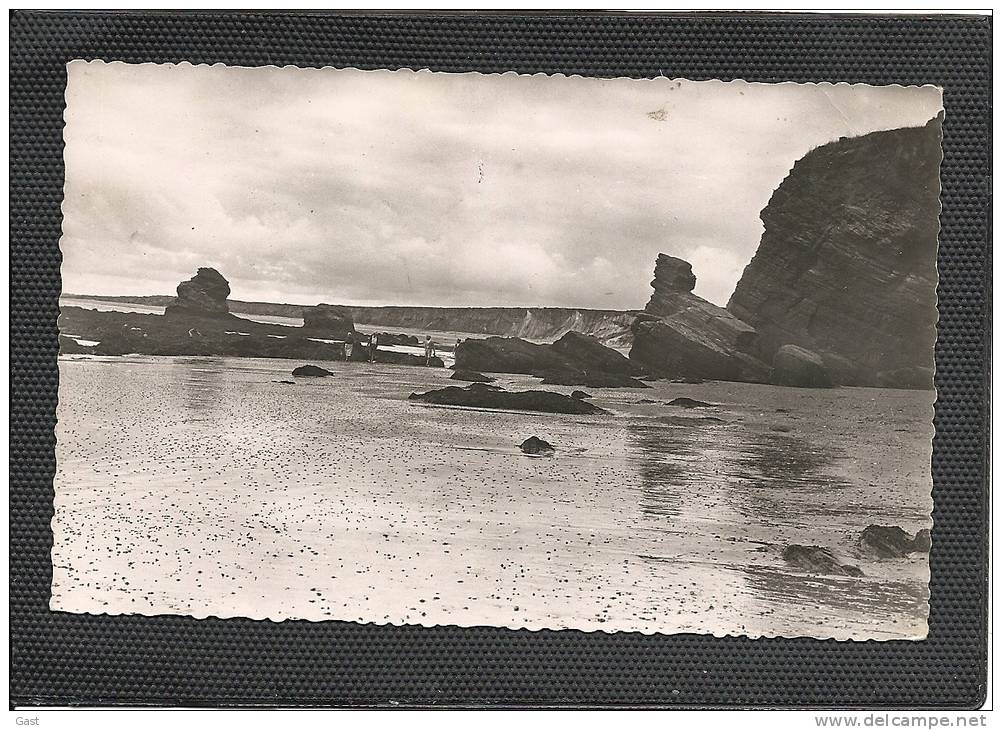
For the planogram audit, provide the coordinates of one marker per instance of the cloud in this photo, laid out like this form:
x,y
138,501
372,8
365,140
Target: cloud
x,y
309,185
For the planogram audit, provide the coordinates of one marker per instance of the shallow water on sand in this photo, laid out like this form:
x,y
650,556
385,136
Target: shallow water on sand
x,y
201,486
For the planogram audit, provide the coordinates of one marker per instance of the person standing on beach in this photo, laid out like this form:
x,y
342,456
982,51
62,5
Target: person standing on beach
x,y
429,350
373,344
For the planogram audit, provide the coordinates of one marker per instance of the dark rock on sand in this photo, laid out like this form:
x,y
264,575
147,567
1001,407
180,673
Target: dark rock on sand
x,y
388,338
471,376
814,559
579,394
680,335
689,420
478,395
799,368
689,403
574,359
406,358
588,354
285,382
535,445
893,542
329,321
204,295
847,263
502,355
311,371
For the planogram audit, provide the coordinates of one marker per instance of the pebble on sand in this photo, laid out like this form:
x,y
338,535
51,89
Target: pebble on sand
x,y
536,445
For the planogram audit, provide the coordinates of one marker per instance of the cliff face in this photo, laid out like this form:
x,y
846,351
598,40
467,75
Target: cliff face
x,y
681,335
847,263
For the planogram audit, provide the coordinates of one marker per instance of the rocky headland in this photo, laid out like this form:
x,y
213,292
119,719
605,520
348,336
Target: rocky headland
x,y
198,322
842,290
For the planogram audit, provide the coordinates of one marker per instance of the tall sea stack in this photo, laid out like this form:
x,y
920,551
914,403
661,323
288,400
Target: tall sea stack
x,y
847,263
682,335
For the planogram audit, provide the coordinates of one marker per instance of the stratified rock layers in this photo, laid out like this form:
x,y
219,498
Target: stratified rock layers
x,y
847,263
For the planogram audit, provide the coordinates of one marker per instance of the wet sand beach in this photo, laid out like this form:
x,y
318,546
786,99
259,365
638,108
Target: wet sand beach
x,y
201,486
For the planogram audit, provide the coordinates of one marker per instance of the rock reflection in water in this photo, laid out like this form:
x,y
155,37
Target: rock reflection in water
x,y
772,460
201,382
735,495
889,606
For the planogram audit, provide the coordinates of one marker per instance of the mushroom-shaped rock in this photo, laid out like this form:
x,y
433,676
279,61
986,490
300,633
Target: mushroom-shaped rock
x,y
681,335
204,294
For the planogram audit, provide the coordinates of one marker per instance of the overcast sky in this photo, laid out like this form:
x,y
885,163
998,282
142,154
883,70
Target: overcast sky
x,y
380,187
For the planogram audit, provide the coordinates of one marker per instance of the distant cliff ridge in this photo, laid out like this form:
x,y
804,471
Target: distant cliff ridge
x,y
531,323
611,327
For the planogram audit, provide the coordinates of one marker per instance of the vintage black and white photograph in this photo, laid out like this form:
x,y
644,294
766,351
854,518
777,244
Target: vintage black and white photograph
x,y
524,351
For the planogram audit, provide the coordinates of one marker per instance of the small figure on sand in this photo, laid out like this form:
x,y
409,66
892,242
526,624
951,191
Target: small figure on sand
x,y
429,350
373,344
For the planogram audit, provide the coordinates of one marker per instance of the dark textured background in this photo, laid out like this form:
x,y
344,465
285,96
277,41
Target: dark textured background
x,y
59,658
